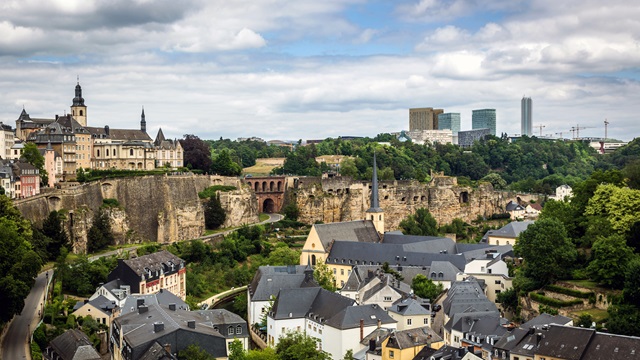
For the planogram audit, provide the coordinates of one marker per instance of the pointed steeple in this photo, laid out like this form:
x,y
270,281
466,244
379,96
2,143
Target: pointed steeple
x,y
159,138
143,121
78,100
375,212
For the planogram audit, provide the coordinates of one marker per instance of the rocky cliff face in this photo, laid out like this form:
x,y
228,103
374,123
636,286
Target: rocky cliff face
x,y
341,199
152,208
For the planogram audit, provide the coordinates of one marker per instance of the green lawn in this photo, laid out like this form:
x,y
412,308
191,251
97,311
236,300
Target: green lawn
x,y
588,284
264,217
598,315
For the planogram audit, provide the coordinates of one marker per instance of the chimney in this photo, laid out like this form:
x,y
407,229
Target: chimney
x,y
372,345
158,326
538,338
106,129
172,307
361,329
191,324
142,309
139,302
379,323
470,348
462,351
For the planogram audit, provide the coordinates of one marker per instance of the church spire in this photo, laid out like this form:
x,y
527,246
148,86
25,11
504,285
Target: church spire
x,y
143,122
78,100
375,212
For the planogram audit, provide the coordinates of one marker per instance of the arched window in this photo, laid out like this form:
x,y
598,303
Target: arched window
x,y
81,113
98,152
313,260
238,329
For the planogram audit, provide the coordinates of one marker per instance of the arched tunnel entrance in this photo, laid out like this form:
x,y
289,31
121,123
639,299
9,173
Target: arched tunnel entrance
x,y
269,206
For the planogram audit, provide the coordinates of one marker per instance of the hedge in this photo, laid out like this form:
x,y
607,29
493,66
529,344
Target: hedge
x,y
570,292
553,302
211,190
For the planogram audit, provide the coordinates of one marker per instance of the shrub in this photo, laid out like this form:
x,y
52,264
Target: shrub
x,y
110,203
570,292
547,309
212,190
553,302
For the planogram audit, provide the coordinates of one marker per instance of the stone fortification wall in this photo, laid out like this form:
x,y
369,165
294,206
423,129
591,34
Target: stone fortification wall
x,y
342,199
152,208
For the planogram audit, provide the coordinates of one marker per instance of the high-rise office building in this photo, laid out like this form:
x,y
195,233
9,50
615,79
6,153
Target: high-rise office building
x,y
526,121
449,121
424,118
484,119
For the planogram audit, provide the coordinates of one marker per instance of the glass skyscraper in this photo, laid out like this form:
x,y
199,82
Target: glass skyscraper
x,y
484,119
449,121
526,121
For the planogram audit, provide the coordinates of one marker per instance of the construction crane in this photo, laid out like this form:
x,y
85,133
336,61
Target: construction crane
x,y
541,127
606,124
576,130
560,133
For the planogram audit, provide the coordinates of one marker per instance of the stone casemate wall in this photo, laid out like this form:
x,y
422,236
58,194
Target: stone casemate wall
x,y
342,199
152,208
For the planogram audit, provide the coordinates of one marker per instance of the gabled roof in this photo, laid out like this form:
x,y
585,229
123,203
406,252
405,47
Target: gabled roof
x,y
608,346
407,339
443,271
349,317
386,281
269,280
511,230
297,303
511,339
119,134
546,319
159,261
565,342
101,303
163,297
409,307
74,345
513,206
359,231
157,352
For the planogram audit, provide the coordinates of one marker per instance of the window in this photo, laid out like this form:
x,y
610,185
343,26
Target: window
x,y
497,292
239,329
425,321
341,271
230,332
456,339
130,152
498,282
282,329
387,298
335,271
408,321
391,354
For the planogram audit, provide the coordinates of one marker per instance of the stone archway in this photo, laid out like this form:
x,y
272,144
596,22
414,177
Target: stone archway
x,y
269,206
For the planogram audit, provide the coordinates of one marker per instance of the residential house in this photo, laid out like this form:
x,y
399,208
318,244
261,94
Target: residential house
x,y
563,343
139,334
101,309
25,126
465,295
73,344
378,288
406,344
168,152
164,298
515,210
16,150
27,179
149,273
334,320
533,210
448,352
411,313
53,165
6,141
7,179
563,192
268,281
115,290
507,234
494,284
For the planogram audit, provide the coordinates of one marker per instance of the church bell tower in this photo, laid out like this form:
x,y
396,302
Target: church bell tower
x,y
375,212
78,108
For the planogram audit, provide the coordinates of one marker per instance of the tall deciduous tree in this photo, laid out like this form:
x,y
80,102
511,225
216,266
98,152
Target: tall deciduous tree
x,y
422,223
52,228
324,276
197,153
632,281
425,288
610,256
547,251
214,215
224,165
31,154
100,234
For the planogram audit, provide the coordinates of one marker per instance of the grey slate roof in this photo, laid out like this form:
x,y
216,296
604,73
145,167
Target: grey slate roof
x,y
464,295
223,319
101,302
443,271
346,252
511,340
446,352
513,206
119,134
410,307
74,345
406,339
350,317
300,302
361,231
386,280
546,319
131,271
397,237
511,230
608,346
157,352
163,297
564,342
269,280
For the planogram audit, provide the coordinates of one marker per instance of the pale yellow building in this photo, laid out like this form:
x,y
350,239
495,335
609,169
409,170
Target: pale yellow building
x,y
406,344
100,309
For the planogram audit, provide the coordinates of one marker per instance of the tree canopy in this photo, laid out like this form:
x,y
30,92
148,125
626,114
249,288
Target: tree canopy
x,y
425,288
422,223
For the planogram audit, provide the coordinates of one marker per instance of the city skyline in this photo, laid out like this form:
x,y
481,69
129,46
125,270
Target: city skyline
x,y
308,70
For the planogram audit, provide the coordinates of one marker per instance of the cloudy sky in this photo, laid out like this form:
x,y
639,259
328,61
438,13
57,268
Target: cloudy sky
x,y
309,69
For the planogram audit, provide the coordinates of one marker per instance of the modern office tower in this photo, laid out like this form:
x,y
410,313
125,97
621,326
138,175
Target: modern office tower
x,y
466,138
526,120
449,121
484,119
424,118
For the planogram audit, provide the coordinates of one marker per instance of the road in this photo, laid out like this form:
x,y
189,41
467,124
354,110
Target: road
x,y
15,345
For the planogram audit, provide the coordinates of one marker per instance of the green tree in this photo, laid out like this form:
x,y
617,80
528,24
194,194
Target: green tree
x,y
214,214
265,354
100,235
584,320
422,223
52,228
348,355
425,288
197,154
283,255
194,352
324,276
224,165
621,206
496,180
31,154
508,299
299,346
547,251
291,211
236,350
610,256
624,320
632,281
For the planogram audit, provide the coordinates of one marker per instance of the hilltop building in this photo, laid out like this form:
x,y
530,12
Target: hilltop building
x,y
424,118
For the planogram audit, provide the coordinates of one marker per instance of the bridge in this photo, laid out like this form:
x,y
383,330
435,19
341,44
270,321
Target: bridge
x,y
269,191
223,296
